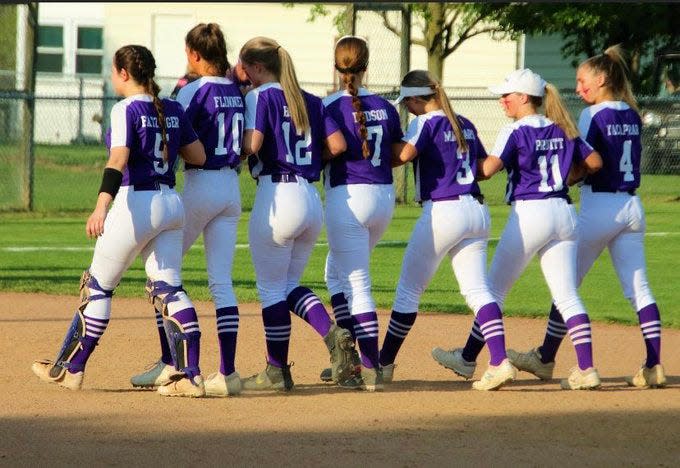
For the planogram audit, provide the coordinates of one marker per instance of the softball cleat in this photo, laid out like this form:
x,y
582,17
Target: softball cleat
x,y
531,362
388,372
453,360
65,379
184,387
496,376
221,385
155,375
587,379
271,378
648,377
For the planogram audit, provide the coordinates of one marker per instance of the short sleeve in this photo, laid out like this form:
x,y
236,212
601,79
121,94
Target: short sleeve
x,y
505,147
187,135
121,126
480,151
417,133
586,126
582,149
330,126
256,116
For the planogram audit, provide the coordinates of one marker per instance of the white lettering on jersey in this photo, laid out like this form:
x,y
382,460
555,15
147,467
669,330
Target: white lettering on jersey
x,y
228,101
550,144
622,129
286,113
151,121
372,115
468,134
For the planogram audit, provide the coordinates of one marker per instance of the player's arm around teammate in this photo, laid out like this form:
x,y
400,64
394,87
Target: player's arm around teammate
x,y
212,201
538,152
147,135
611,214
444,148
288,128
359,204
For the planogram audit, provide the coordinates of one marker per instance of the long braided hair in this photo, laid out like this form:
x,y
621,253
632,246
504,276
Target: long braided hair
x,y
351,58
138,61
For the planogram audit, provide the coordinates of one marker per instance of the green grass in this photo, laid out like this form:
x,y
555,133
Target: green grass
x,y
65,192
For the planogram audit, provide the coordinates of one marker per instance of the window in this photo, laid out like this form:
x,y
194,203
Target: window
x,y
89,50
50,49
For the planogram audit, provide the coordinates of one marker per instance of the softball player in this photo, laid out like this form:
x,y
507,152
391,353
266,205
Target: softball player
x,y
611,215
359,200
538,152
146,217
444,149
212,201
287,127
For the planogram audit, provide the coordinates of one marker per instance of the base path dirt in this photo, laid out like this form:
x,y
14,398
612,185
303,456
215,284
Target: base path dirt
x,y
428,416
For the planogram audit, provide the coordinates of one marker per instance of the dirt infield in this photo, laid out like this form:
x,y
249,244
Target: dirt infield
x,y
427,417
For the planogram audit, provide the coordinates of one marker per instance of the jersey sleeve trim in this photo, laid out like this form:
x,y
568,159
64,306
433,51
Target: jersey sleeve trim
x,y
119,125
251,109
187,93
415,129
502,140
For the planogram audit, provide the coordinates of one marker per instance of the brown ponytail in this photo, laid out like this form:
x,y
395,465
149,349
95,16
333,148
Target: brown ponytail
x,y
613,64
351,58
138,61
423,78
277,61
208,41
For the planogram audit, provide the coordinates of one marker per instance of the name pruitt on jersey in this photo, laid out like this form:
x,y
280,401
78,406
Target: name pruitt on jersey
x,y
150,121
550,144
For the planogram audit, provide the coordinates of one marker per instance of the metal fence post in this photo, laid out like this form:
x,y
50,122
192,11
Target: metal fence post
x,y
401,187
29,105
81,87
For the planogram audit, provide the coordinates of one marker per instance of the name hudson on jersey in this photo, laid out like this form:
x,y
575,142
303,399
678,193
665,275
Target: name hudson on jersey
x,y
151,121
228,101
623,129
372,115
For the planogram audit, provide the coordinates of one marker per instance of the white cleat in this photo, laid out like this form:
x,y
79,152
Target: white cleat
x,y
454,361
648,377
155,375
496,376
578,379
221,385
184,388
531,362
66,379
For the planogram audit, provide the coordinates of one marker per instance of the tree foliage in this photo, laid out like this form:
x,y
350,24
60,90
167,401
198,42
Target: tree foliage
x,y
643,29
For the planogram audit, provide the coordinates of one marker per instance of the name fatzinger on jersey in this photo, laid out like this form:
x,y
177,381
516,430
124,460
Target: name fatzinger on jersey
x,y
151,121
623,129
228,101
372,115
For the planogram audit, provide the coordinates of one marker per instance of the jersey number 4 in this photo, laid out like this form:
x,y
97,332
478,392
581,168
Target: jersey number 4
x,y
626,162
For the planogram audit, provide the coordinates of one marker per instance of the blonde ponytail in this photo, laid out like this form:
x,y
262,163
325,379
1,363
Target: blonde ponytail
x,y
556,111
292,92
445,104
613,64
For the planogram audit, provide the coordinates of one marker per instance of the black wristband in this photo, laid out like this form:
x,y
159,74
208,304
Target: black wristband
x,y
111,181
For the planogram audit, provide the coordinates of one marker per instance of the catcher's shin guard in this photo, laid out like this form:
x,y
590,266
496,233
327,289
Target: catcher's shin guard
x,y
77,330
179,340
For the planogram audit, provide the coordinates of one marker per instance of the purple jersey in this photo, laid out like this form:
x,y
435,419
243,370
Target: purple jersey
x,y
134,125
613,129
283,151
538,156
441,171
214,107
384,129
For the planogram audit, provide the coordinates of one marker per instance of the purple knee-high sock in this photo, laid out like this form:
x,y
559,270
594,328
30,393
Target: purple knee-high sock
x,y
307,305
650,324
554,334
475,343
580,334
490,321
227,331
366,330
166,356
400,325
276,319
94,329
189,321
341,312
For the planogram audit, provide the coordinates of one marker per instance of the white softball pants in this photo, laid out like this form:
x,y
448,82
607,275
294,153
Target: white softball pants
x,y
615,221
212,205
459,228
284,224
547,228
356,218
146,222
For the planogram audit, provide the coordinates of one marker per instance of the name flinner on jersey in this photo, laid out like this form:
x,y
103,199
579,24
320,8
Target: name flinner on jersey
x,y
228,101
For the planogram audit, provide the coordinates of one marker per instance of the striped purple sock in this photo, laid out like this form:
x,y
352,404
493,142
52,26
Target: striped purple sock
x,y
366,330
400,325
227,331
650,324
341,312
276,319
475,343
166,356
580,334
554,334
189,320
490,321
94,329
307,305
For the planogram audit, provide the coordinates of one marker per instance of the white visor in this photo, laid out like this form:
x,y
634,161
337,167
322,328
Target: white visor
x,y
407,91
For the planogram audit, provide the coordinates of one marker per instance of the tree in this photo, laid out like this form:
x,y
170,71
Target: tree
x,y
589,28
444,27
